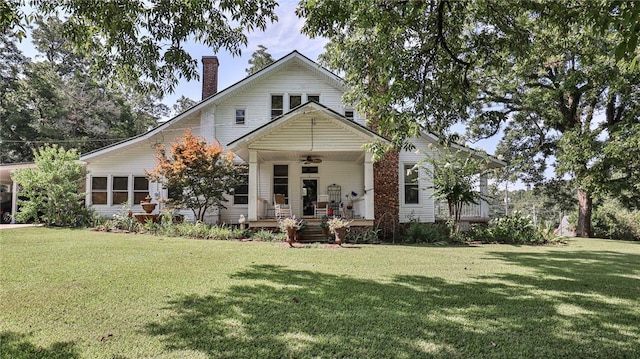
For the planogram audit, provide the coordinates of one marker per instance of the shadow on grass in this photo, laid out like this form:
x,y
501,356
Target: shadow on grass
x,y
293,313
16,346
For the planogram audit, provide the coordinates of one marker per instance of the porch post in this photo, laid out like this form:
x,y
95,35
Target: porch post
x,y
14,201
484,189
253,186
368,186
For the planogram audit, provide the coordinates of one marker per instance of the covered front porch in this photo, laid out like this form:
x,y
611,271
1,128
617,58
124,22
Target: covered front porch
x,y
310,156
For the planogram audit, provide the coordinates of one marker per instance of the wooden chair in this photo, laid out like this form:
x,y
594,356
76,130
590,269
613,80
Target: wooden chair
x,y
282,209
321,206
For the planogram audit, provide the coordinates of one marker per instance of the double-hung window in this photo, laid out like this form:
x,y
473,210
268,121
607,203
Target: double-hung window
x,y
240,116
410,184
99,190
281,180
241,193
277,106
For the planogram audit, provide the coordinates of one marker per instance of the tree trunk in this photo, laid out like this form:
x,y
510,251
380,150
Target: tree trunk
x,y
585,205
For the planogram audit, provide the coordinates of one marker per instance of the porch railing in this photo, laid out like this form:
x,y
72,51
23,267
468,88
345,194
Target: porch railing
x,y
468,210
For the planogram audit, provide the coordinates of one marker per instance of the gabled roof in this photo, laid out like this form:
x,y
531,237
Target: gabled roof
x,y
240,145
292,57
493,161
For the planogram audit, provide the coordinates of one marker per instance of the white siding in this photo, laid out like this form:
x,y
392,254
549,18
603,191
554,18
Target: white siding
x,y
293,79
133,160
423,211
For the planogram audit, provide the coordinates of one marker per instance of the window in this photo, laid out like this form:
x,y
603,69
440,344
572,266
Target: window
x,y
295,101
410,184
120,193
276,106
281,180
309,169
349,114
240,116
315,98
99,190
140,189
241,193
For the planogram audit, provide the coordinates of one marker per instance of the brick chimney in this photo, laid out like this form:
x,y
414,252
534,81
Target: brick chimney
x,y
209,76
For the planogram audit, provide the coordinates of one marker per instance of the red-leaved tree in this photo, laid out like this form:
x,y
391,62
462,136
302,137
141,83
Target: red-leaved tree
x,y
197,174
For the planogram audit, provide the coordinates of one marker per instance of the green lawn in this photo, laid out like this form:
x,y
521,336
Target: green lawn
x,y
76,293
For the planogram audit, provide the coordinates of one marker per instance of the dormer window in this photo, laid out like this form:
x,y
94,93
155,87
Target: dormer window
x,y
294,101
349,115
276,106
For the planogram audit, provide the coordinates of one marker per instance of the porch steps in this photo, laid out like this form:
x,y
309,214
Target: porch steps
x,y
312,234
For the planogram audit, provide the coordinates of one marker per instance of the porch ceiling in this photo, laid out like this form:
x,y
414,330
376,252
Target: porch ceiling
x,y
288,156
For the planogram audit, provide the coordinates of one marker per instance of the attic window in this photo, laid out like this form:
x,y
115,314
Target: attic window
x,y
240,116
276,106
314,98
295,101
349,114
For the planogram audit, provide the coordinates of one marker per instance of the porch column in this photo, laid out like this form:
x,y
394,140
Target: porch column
x,y
484,189
14,201
368,186
253,186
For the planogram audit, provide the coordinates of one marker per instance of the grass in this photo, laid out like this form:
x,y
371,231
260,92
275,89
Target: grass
x,y
76,293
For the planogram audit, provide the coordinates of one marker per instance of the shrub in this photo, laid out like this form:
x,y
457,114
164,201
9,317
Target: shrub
x,y
363,235
417,232
613,221
50,190
266,236
514,229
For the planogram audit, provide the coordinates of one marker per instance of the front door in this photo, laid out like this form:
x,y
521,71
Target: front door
x,y
309,196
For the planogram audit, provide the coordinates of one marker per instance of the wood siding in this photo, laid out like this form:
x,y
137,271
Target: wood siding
x,y
423,211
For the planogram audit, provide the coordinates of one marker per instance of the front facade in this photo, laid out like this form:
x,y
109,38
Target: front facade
x,y
288,123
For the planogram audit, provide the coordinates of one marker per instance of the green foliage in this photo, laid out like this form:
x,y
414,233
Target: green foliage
x,y
259,60
513,229
363,235
122,220
267,236
144,42
417,232
495,65
611,220
55,100
454,174
51,190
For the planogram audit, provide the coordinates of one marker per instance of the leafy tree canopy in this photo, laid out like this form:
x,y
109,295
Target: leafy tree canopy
x,y
57,101
259,60
544,72
143,42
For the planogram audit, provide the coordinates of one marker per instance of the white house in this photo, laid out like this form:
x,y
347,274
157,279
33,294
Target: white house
x,y
289,124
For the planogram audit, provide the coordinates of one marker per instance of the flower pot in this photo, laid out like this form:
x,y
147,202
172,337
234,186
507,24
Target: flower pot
x,y
340,234
291,236
148,207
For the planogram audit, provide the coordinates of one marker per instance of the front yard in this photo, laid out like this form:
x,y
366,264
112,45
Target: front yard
x,y
76,293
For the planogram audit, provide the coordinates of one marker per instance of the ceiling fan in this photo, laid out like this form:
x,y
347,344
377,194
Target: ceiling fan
x,y
307,160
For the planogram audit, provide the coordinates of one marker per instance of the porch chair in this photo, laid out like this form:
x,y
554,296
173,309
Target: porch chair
x,y
282,209
321,206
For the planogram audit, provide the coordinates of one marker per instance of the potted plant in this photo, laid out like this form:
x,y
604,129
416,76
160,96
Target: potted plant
x,y
338,227
324,224
290,225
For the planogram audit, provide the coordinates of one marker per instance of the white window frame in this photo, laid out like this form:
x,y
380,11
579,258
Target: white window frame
x,y
405,184
244,116
271,109
353,114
